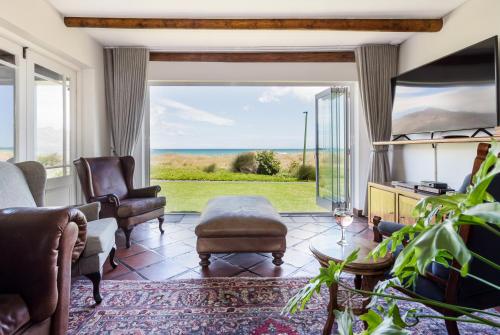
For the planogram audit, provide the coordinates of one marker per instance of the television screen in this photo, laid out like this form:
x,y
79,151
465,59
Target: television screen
x,y
456,92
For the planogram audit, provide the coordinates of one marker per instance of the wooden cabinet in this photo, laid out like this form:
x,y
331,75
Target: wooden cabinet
x,y
391,204
405,207
383,204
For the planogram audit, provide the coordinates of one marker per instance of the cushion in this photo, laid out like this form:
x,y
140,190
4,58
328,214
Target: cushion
x,y
100,236
233,216
13,313
137,206
14,190
387,228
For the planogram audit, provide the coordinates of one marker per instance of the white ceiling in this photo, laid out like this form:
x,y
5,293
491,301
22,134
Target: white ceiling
x,y
218,40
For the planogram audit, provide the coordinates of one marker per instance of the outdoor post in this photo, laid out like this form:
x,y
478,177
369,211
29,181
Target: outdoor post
x,y
305,142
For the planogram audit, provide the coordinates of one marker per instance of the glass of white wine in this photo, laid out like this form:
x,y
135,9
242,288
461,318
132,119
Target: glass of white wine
x,y
344,218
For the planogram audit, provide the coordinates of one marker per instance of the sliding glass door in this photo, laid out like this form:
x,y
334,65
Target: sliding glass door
x,y
332,148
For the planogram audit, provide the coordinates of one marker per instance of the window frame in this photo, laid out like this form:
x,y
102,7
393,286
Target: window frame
x,y
69,112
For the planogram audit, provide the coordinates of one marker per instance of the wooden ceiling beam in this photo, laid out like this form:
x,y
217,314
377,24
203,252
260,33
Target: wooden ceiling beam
x,y
254,57
382,25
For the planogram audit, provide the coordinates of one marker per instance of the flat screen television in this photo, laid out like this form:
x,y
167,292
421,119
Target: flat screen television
x,y
457,92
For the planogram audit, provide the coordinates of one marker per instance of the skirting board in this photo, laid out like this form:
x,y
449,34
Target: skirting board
x,y
357,212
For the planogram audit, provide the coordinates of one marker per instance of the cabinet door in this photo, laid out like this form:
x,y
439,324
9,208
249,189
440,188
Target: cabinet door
x,y
383,204
406,205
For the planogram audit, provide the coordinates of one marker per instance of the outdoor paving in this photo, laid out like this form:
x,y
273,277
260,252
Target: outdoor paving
x,y
154,256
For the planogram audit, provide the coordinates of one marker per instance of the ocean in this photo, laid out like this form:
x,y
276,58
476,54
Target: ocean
x,y
219,152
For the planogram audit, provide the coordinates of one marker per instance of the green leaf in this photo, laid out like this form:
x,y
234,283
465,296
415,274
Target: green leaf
x,y
388,327
489,211
344,321
438,240
372,319
327,276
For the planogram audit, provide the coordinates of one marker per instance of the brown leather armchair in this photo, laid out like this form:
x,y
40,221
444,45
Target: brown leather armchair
x,y
109,180
36,246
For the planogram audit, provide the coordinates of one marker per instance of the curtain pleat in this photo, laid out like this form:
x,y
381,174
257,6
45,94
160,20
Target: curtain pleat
x,y
376,65
125,80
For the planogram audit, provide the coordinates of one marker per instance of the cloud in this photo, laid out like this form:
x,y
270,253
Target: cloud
x,y
274,94
188,113
460,99
246,108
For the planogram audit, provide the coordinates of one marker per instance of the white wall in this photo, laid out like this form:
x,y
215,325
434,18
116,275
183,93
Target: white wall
x,y
252,72
473,22
280,73
37,25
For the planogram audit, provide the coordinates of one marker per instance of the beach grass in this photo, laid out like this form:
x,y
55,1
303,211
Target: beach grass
x,y
190,196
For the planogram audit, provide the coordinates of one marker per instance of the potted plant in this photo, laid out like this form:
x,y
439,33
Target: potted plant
x,y
434,237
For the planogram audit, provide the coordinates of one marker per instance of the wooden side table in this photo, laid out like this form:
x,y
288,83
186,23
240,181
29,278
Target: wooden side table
x,y
367,272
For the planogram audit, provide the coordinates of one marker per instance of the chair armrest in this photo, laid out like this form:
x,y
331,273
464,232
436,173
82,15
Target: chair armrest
x,y
377,236
35,253
107,199
91,210
146,192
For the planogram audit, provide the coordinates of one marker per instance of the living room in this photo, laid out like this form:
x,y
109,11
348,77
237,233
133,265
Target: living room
x,y
405,242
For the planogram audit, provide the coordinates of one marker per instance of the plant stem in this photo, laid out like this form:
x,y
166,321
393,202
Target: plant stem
x,y
484,225
478,279
485,260
426,302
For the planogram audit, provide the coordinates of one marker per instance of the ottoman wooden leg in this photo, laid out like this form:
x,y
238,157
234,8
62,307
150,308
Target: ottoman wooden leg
x,y
277,258
205,260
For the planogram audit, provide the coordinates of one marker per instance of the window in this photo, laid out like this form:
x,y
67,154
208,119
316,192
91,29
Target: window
x,y
52,113
7,105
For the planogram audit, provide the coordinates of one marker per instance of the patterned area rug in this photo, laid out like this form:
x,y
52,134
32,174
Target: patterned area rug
x,y
240,306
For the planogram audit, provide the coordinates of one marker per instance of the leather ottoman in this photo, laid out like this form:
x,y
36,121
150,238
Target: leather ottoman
x,y
233,224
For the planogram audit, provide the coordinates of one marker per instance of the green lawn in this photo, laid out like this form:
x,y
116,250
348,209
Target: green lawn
x,y
192,195
187,173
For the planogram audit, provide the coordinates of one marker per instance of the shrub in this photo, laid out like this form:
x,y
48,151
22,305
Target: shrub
x,y
267,164
293,168
245,163
306,172
210,168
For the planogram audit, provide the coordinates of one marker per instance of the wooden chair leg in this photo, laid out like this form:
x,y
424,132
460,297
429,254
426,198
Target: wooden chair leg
x,y
161,219
128,232
204,260
112,260
277,258
452,327
95,278
377,236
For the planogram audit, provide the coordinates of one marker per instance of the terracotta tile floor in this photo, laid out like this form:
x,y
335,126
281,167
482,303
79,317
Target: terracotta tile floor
x,y
155,256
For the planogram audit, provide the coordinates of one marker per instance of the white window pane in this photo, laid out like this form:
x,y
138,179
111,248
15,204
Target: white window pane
x,y
7,111
49,106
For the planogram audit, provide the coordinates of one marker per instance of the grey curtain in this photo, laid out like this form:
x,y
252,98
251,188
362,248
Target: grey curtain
x,y
125,80
376,65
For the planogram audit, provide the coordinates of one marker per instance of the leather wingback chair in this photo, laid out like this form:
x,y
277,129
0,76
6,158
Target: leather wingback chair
x,y
36,246
109,180
23,185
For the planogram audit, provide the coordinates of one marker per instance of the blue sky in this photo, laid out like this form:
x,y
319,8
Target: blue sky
x,y
220,117
6,116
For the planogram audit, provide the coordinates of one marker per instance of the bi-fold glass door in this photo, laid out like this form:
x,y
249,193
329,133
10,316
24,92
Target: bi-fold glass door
x,y
333,148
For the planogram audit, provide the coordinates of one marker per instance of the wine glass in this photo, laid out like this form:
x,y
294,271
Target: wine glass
x,y
344,218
